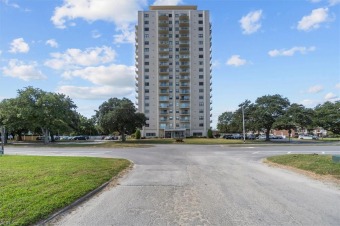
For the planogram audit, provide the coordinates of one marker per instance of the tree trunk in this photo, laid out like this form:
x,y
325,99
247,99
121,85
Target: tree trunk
x,y
45,132
52,137
123,135
289,134
19,135
267,134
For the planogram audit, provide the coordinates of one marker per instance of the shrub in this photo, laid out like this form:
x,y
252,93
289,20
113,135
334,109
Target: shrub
x,y
210,133
138,134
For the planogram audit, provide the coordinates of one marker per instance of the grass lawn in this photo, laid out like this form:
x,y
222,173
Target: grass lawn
x,y
319,164
33,187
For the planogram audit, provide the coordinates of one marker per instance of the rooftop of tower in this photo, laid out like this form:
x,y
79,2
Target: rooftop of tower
x,y
173,7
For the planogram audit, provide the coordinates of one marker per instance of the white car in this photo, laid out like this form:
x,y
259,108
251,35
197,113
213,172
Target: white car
x,y
308,137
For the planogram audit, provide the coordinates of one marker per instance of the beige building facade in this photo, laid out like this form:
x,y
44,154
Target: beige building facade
x,y
173,71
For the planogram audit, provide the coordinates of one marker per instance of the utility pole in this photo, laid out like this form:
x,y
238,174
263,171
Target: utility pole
x,y
2,151
244,130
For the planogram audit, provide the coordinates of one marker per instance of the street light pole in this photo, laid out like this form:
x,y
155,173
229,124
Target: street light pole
x,y
2,151
244,130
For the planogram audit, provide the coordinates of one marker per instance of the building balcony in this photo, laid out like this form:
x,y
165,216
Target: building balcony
x,y
184,99
136,84
163,32
182,84
163,45
184,120
185,112
181,38
184,77
164,78
184,32
183,17
163,17
184,59
163,73
163,112
163,23
163,38
184,66
184,91
184,105
184,24
187,45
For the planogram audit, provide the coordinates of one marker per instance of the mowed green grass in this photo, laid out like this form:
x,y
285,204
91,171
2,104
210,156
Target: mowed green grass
x,y
33,187
319,164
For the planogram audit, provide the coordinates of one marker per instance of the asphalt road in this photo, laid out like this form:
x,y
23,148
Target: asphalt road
x,y
205,185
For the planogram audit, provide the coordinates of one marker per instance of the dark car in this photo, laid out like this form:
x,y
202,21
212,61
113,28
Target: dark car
x,y
228,136
80,138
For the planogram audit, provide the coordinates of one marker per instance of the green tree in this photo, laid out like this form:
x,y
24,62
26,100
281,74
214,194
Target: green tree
x,y
119,115
138,134
87,126
327,116
267,110
47,111
296,116
9,117
210,134
224,123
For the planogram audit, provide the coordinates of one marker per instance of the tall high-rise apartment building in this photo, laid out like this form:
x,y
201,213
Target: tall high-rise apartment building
x,y
173,67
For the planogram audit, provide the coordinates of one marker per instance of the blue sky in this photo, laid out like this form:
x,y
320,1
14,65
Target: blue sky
x,y
85,49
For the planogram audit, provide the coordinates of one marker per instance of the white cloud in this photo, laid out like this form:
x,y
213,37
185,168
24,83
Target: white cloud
x,y
310,103
334,2
26,72
337,86
315,89
119,76
251,22
236,60
52,42
290,52
14,5
118,12
0,52
167,2
330,97
313,20
127,34
72,58
95,93
19,46
315,1
96,34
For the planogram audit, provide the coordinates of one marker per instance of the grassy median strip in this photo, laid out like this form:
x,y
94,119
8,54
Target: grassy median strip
x,y
319,164
33,187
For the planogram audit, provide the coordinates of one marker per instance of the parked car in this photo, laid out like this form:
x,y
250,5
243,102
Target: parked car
x,y
250,136
110,138
262,137
80,138
308,137
228,136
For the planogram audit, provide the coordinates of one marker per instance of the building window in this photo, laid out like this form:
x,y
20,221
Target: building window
x,y
201,118
201,63
146,35
146,43
146,84
146,70
146,76
150,134
146,111
146,29
146,49
200,70
201,97
200,22
146,56
200,28
201,90
201,124
201,111
147,104
200,15
147,91
200,56
146,22
146,15
201,83
146,97
146,63
200,76
200,42
201,103
200,49
200,35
